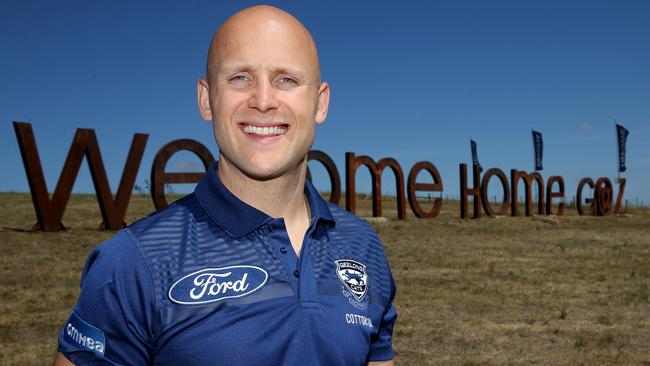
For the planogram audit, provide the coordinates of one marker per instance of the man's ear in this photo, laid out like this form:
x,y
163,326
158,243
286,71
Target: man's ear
x,y
203,94
323,102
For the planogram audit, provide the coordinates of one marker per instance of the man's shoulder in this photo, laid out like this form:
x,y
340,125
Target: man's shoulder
x,y
124,246
113,252
347,221
171,219
352,230
183,224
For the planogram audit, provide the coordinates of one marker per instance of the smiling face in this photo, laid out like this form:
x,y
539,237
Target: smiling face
x,y
263,93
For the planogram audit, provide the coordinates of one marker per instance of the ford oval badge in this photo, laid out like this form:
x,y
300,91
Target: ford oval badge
x,y
214,284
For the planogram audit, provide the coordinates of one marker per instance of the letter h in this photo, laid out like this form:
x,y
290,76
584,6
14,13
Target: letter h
x,y
465,192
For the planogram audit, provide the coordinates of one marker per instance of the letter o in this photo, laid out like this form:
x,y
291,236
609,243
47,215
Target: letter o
x,y
332,172
503,210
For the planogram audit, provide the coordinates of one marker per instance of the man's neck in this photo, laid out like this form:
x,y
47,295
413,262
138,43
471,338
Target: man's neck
x,y
278,197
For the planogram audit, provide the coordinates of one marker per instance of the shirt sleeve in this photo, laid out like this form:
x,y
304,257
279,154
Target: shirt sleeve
x,y
113,320
381,348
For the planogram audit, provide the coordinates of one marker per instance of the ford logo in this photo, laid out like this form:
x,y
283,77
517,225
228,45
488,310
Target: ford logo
x,y
214,284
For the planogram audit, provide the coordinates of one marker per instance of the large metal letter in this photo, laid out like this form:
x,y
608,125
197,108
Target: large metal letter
x,y
49,212
465,192
584,181
376,169
603,196
515,175
159,177
332,171
619,196
550,194
413,186
503,210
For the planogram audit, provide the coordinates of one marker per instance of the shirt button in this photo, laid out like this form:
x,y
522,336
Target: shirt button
x,y
283,250
296,273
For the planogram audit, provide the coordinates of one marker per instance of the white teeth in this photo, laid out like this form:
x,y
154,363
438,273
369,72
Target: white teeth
x,y
265,131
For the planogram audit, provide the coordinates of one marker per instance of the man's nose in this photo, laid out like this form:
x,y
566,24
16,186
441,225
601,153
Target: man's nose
x,y
263,96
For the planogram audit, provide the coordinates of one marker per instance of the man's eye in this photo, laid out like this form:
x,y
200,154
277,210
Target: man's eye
x,y
287,81
238,78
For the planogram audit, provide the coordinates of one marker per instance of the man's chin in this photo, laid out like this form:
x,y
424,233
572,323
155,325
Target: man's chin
x,y
264,171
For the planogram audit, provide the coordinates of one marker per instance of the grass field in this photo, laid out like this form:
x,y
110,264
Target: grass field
x,y
506,291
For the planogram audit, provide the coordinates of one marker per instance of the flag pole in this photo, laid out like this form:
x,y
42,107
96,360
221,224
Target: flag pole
x,y
534,161
618,158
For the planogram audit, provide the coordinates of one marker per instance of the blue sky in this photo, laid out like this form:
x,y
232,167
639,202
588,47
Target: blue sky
x,y
412,80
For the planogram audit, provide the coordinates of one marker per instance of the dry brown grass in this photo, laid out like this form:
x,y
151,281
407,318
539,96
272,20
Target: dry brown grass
x,y
508,291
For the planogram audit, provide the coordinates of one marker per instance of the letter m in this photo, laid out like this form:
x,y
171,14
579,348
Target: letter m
x,y
49,212
352,162
529,179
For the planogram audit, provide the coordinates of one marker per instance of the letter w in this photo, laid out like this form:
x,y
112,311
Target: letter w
x,y
49,212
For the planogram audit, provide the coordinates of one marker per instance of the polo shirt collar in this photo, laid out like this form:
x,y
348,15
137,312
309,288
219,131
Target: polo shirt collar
x,y
238,218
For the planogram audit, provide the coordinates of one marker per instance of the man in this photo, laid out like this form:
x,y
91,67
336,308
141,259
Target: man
x,y
253,268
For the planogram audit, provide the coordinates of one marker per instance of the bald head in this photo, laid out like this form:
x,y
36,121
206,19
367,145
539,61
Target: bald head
x,y
263,95
262,25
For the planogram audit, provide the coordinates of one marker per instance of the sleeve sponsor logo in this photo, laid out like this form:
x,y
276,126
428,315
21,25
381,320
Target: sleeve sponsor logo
x,y
215,284
85,336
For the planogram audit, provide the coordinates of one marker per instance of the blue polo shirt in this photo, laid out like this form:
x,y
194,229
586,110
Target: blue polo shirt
x,y
210,280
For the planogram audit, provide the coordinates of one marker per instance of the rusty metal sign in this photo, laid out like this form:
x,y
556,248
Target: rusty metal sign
x,y
49,211
550,194
581,211
619,196
487,206
465,191
413,187
510,192
332,172
159,177
353,162
84,144
603,196
529,179
601,202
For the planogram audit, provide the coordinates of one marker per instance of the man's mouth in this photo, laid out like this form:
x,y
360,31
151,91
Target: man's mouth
x,y
266,130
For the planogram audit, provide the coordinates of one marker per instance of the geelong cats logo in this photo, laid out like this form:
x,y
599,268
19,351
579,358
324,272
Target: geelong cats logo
x,y
214,284
353,277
